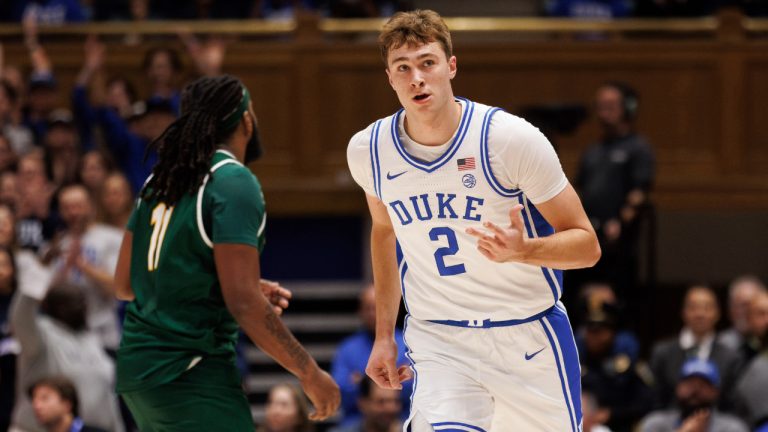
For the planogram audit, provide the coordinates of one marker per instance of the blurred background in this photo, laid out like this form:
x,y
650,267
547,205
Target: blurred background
x,y
657,109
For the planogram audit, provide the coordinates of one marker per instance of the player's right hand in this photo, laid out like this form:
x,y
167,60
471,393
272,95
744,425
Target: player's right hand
x,y
382,365
324,393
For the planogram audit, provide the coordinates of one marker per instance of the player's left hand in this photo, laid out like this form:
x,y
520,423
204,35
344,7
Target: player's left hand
x,y
503,244
277,295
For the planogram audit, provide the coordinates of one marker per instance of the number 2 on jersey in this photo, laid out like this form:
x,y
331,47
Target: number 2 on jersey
x,y
441,253
161,215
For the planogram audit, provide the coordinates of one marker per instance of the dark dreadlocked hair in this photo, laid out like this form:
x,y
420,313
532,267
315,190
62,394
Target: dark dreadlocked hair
x,y
185,149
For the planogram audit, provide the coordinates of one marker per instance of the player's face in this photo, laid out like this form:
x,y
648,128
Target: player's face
x,y
48,406
421,76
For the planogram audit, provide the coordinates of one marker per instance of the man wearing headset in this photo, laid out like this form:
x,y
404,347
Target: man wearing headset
x,y
615,176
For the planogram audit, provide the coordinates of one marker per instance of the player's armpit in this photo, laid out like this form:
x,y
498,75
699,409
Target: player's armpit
x,y
122,282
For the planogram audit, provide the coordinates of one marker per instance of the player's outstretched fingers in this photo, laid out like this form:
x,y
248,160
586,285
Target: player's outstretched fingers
x,y
404,373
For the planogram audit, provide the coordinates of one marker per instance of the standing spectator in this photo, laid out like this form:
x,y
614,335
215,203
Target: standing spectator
x,y
85,256
614,178
9,189
116,201
740,294
42,92
696,340
348,366
696,392
756,339
162,67
19,136
127,144
49,12
56,406
287,411
37,222
380,408
58,342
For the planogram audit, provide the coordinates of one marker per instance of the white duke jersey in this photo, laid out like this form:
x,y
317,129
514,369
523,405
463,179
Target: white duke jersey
x,y
494,161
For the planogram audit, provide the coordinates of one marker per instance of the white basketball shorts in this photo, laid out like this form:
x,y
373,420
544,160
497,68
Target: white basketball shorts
x,y
521,377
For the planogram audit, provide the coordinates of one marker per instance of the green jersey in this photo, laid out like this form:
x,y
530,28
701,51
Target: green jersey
x,y
178,315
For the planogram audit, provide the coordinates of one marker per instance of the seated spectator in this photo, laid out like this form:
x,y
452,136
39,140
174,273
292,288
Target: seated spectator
x,y
9,189
593,415
62,148
286,411
57,341
380,408
7,155
696,340
593,295
348,366
56,406
620,384
95,166
36,220
752,389
9,347
7,227
85,255
591,9
696,392
757,335
116,201
740,294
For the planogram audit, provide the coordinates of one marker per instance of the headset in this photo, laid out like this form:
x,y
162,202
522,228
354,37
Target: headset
x,y
630,101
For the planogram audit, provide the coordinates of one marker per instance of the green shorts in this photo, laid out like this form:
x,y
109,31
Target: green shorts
x,y
208,397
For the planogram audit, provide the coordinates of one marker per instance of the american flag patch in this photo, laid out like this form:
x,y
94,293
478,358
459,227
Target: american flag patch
x,y
466,164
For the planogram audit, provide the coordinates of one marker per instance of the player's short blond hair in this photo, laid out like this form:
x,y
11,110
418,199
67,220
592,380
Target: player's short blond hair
x,y
414,28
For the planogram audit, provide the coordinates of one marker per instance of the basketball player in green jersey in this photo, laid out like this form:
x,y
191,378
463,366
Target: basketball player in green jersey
x,y
189,263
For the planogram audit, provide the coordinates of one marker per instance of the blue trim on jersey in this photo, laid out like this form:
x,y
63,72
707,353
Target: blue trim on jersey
x,y
402,268
488,323
539,223
429,167
485,159
375,163
563,378
467,426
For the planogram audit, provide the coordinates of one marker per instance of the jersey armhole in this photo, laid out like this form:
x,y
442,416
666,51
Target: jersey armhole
x,y
485,158
199,205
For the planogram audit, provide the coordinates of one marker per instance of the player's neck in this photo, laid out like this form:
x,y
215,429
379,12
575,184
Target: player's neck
x,y
433,128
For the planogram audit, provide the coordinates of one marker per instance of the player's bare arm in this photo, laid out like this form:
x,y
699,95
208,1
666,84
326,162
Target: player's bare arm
x,y
382,366
573,245
237,266
122,282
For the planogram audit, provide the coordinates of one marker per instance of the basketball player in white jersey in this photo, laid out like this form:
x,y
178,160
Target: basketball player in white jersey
x,y
473,222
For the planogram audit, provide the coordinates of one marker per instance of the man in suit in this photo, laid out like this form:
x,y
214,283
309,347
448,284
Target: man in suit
x,y
697,339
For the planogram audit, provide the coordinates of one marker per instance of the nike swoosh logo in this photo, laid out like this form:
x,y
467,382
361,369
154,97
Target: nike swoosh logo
x,y
392,177
528,357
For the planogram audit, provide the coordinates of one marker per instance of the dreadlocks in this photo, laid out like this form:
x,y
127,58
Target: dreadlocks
x,y
185,149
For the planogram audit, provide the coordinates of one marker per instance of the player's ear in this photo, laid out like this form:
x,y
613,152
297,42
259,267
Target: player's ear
x,y
247,123
452,68
389,77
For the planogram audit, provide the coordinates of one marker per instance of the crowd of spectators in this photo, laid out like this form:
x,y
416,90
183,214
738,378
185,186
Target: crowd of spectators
x,y
68,177
61,11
